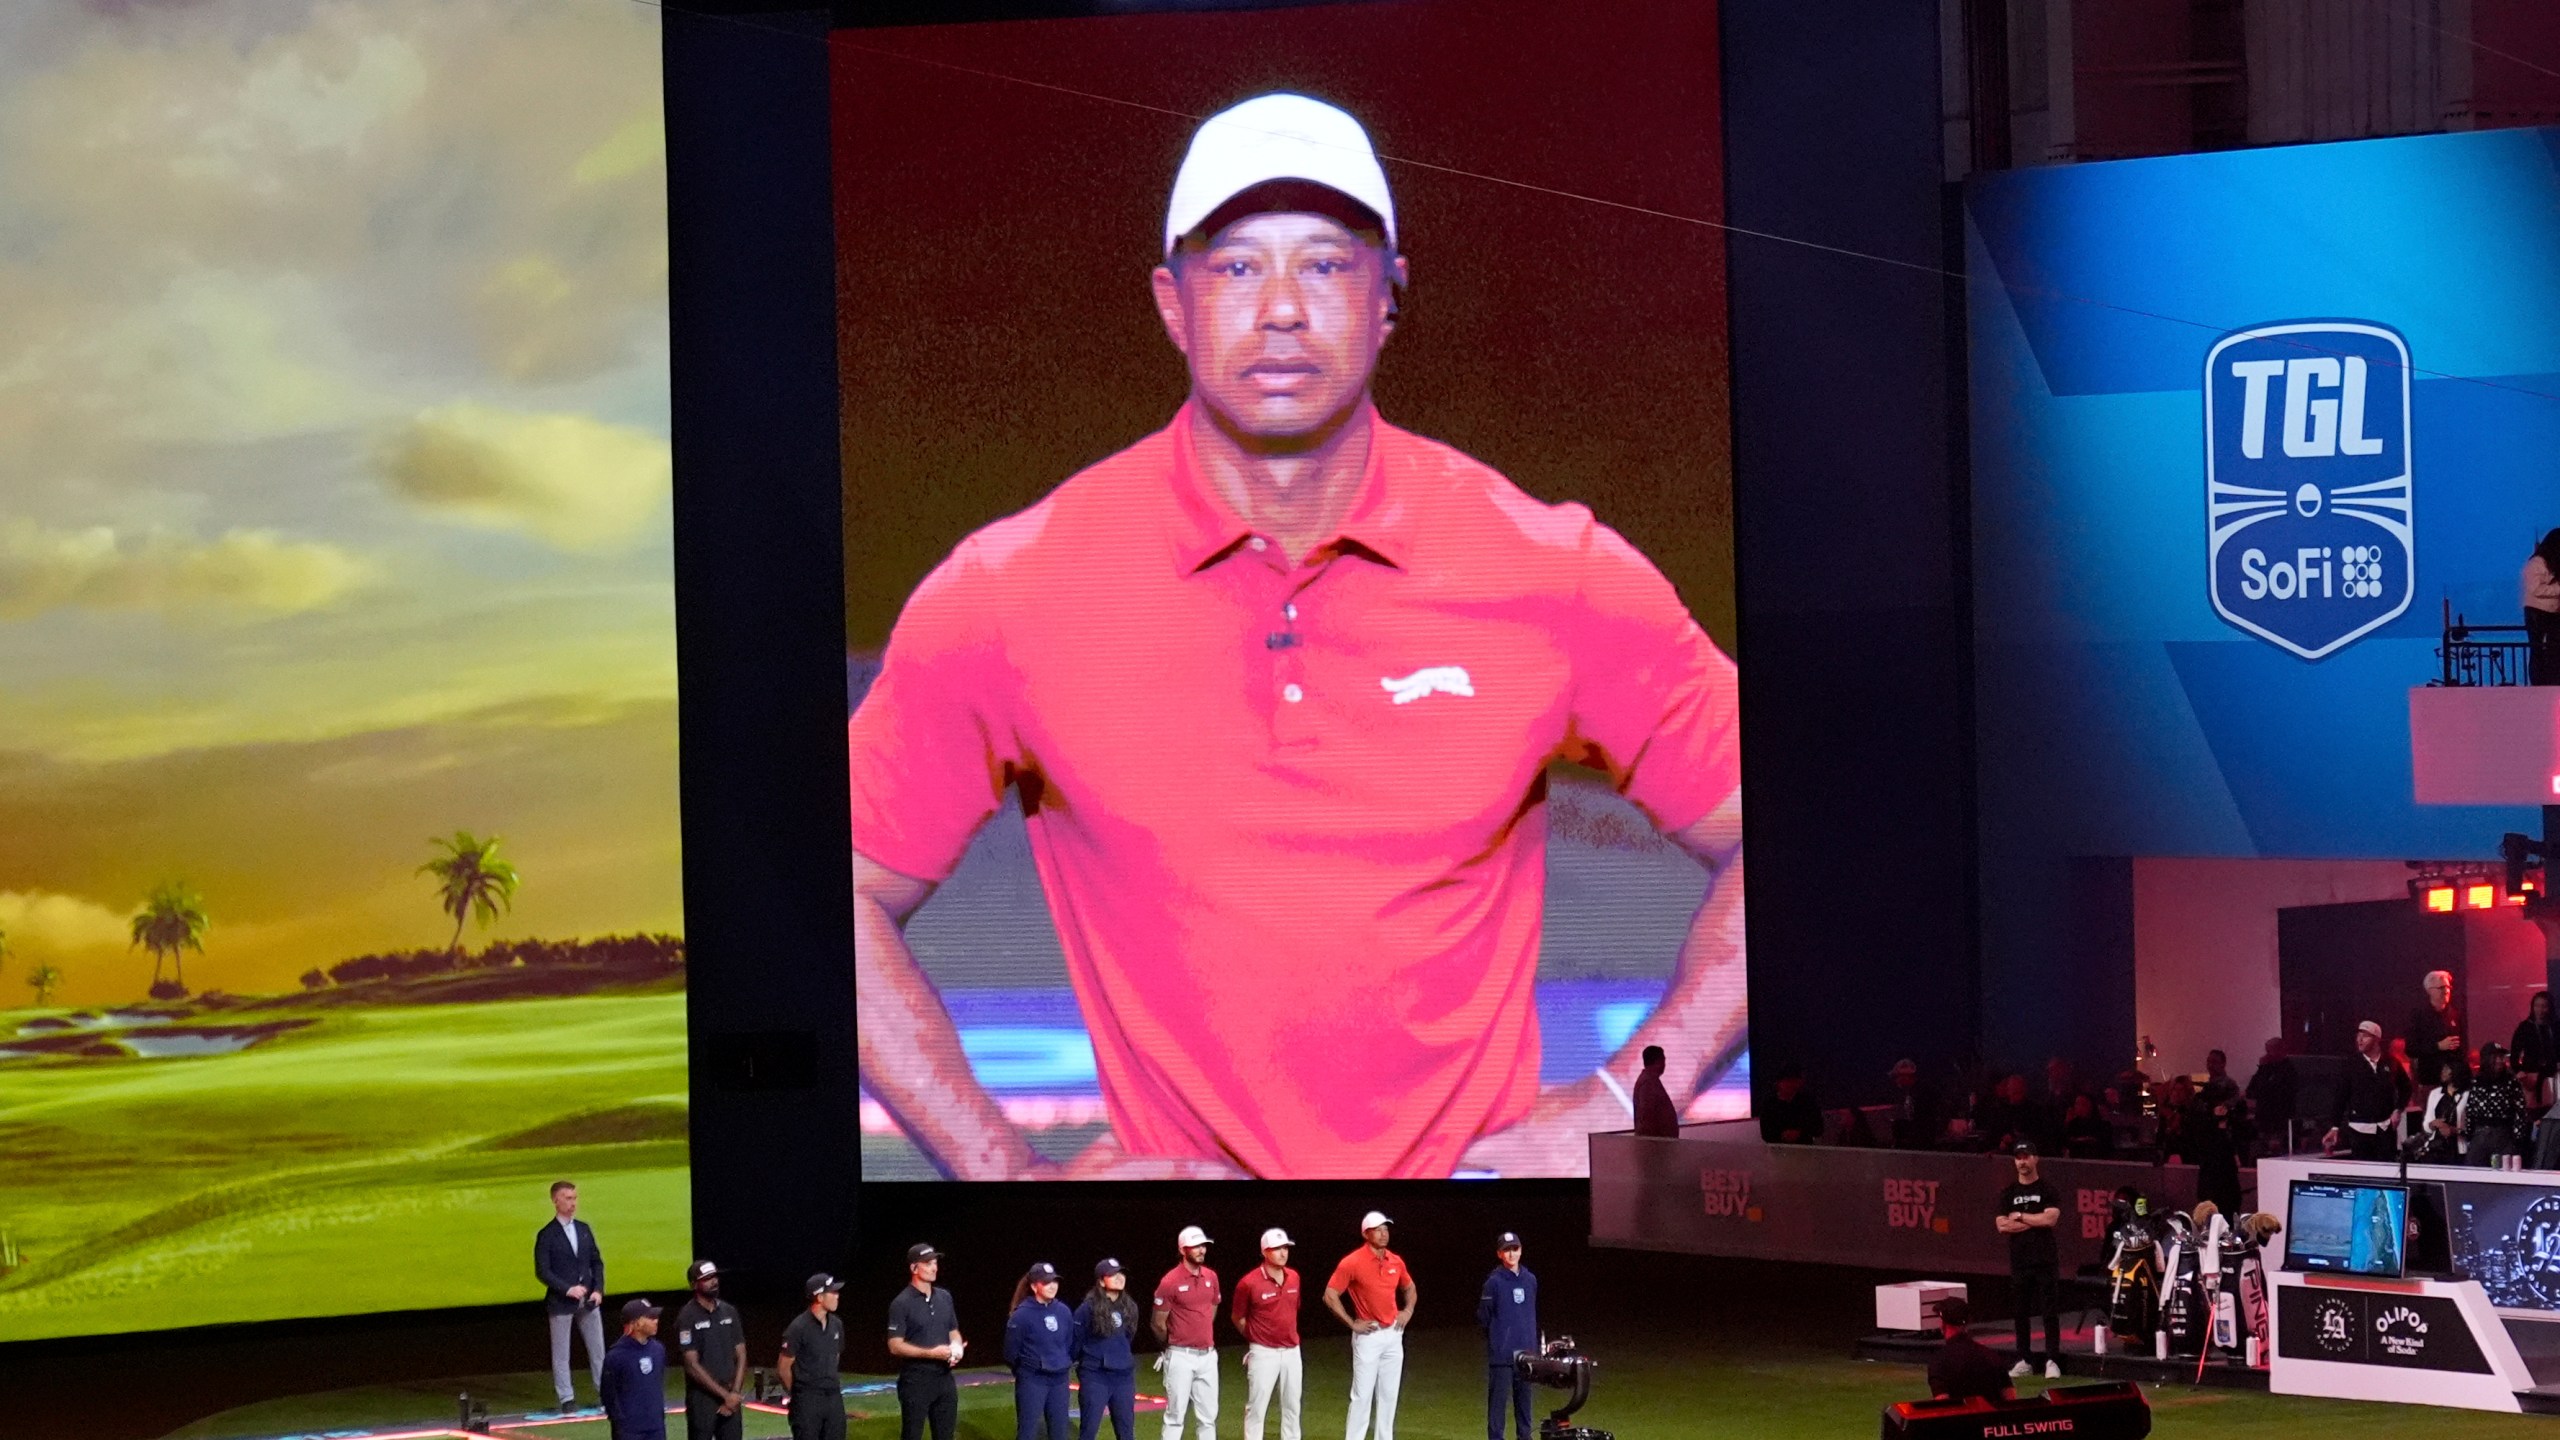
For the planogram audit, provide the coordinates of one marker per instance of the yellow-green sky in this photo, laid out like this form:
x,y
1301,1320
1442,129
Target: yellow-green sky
x,y
333,474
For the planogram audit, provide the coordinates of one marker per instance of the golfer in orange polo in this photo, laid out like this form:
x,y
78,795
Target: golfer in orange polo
x,y
1372,1292
1278,688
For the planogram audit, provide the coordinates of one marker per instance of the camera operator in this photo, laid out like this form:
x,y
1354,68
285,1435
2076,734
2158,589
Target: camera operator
x,y
1965,1368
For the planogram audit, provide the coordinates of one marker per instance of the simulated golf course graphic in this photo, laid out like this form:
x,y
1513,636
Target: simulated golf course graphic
x,y
384,1144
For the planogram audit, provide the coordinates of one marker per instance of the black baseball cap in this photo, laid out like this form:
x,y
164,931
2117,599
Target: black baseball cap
x,y
1043,1271
638,1309
920,1252
1107,1267
695,1272
821,1283
2024,1150
1506,1241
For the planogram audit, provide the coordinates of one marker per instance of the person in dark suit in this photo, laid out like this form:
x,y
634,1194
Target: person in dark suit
x,y
570,1266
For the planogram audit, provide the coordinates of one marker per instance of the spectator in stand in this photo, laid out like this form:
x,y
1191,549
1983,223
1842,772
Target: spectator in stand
x,y
2012,1117
2061,1082
2534,1050
1793,1116
2493,1123
2442,1120
2215,1144
2272,1089
1656,1116
2542,611
2435,1034
2221,1098
1917,1119
2086,1135
2370,1100
2177,1114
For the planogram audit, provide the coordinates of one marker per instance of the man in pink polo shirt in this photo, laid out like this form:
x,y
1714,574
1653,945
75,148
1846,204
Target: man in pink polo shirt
x,y
1278,687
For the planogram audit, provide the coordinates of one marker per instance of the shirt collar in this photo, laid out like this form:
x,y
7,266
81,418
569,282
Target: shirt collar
x,y
1204,527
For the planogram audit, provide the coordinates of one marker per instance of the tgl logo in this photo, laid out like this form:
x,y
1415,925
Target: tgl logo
x,y
2307,481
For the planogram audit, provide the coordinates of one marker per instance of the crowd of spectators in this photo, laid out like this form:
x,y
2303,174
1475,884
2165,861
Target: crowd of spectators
x,y
2462,1104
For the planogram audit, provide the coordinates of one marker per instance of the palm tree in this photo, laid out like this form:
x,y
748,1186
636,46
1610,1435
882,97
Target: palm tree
x,y
170,923
42,980
470,879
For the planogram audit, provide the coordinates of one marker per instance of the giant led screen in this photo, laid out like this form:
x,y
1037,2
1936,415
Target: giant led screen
x,y
1288,584
339,896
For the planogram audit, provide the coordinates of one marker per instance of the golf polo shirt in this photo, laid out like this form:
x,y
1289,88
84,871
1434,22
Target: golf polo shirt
x,y
1266,1310
1289,816
1369,1280
1189,1303
924,1321
710,1335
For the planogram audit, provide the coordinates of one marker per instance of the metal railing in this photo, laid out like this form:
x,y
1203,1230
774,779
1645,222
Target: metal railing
x,y
2482,654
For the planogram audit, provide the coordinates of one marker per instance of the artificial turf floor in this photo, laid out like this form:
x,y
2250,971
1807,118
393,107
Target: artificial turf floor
x,y
1716,1378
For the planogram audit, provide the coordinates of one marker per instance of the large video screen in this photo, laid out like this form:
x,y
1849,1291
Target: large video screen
x,y
339,893
2254,433
1288,581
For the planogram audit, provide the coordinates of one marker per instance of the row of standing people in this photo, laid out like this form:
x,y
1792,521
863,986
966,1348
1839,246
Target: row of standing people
x,y
1371,1293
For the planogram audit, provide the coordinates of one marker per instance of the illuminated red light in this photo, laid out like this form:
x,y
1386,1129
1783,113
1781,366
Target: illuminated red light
x,y
2480,897
2440,899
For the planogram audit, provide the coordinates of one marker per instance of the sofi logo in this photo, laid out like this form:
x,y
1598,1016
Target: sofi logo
x,y
2307,482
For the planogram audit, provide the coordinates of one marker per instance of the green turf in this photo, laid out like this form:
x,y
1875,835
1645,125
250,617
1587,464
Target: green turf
x,y
391,1157
1655,1387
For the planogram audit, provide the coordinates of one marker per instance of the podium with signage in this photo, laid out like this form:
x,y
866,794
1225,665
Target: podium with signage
x,y
2419,1339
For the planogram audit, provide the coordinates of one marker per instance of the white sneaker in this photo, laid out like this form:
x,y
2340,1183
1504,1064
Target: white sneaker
x,y
2053,1369
2021,1370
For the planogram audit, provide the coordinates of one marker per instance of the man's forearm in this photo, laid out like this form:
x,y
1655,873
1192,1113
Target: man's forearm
x,y
912,1063
1703,1010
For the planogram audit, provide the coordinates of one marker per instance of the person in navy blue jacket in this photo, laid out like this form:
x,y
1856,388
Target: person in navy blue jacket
x,y
1039,1343
1508,1314
634,1388
1106,1370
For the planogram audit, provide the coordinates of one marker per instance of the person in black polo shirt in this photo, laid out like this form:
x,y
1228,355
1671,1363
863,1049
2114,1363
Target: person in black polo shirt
x,y
2369,1103
2029,1211
924,1334
1964,1368
714,1346
812,1348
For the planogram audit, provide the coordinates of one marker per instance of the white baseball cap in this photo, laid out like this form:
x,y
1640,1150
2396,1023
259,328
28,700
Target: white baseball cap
x,y
1191,1235
1275,137
1372,1221
1276,1238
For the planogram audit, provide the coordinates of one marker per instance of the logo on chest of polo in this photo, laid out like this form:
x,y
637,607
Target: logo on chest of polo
x,y
1430,680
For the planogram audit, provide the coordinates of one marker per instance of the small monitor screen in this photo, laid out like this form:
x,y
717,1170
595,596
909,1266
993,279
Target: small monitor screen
x,y
2343,1228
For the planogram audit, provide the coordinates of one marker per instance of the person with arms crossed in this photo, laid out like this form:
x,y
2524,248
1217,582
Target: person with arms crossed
x,y
812,1354
713,1344
1278,687
1106,1370
1507,1312
1039,1347
633,1387
2369,1103
1185,1319
924,1335
1266,1315
2435,1035
570,1265
2028,1212
1372,1292
1964,1368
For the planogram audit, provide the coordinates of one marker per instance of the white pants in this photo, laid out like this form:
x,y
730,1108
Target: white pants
x,y
1191,1388
1271,1372
1377,1371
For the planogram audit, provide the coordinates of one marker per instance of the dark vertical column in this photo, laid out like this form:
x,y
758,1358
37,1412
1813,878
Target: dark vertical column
x,y
1855,636
760,640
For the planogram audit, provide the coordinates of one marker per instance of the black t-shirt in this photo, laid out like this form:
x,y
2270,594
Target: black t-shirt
x,y
1964,1368
2031,1249
815,1347
711,1336
924,1323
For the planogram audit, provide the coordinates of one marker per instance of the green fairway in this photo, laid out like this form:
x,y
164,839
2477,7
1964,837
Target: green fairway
x,y
382,1157
1651,1387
